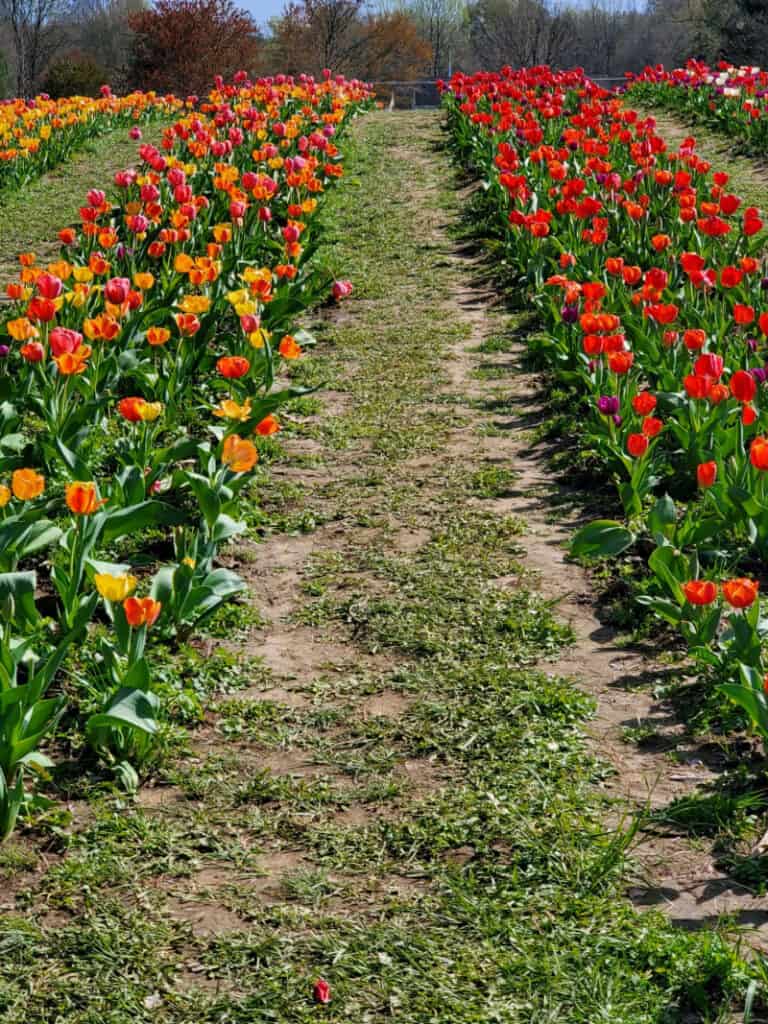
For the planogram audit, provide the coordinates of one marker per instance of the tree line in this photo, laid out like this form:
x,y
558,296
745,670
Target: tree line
x,y
74,46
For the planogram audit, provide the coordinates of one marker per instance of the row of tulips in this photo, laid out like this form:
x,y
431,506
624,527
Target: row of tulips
x,y
647,274
732,100
38,134
139,371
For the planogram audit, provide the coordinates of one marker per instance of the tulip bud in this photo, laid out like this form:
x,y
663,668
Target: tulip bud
x,y
706,474
33,352
322,991
49,286
341,290
608,405
116,290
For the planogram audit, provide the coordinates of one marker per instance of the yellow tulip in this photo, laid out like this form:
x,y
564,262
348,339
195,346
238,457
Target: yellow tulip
x,y
230,410
144,281
246,308
195,304
258,338
114,588
150,411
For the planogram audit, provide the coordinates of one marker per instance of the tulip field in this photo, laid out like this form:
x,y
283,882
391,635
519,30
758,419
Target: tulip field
x,y
39,134
328,437
166,294
732,100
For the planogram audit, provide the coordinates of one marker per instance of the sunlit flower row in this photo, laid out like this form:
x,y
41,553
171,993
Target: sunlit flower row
x,y
141,370
647,273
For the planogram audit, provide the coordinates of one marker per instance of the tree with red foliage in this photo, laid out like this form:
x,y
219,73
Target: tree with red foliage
x,y
180,45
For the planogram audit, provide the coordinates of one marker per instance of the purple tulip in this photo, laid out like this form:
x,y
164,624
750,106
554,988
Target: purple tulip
x,y
608,405
4,350
570,314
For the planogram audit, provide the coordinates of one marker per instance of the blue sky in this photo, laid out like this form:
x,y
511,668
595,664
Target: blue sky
x,y
262,10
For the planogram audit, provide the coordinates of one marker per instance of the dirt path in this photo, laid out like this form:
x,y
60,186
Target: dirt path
x,y
394,790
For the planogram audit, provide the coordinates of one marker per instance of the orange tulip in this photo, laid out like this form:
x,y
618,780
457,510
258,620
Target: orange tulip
x,y
21,329
288,348
758,453
187,323
74,362
144,281
233,367
158,335
269,425
131,408
27,484
618,362
141,611
740,593
700,592
239,454
81,498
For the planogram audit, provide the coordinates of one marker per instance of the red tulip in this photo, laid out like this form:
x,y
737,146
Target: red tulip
x,y
322,991
41,310
644,403
49,286
637,445
33,352
743,386
62,339
706,474
743,314
709,365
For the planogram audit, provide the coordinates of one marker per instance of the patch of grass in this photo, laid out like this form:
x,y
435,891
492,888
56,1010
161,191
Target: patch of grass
x,y
496,343
492,481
